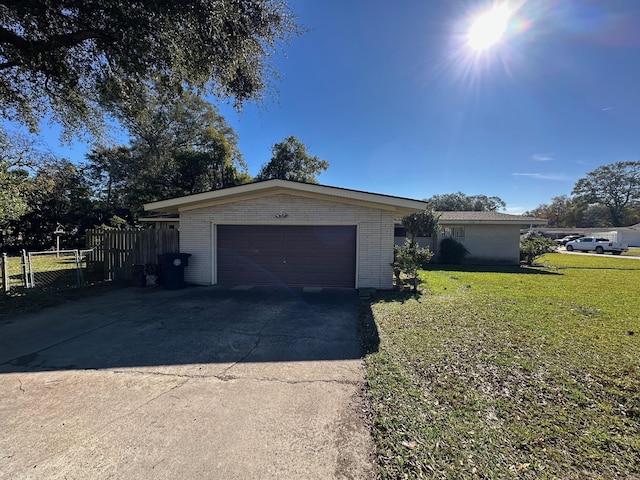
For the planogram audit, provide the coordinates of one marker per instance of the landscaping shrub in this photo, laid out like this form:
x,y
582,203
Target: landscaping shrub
x,y
533,245
451,252
408,259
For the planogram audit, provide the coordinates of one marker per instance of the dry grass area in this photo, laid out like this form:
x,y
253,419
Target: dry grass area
x,y
510,373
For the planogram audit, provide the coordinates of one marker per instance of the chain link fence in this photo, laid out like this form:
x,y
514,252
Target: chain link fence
x,y
13,272
50,269
55,269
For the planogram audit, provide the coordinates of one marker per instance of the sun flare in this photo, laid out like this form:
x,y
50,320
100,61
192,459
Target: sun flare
x,y
488,29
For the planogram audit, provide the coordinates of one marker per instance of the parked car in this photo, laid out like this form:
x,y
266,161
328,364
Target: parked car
x,y
568,238
596,244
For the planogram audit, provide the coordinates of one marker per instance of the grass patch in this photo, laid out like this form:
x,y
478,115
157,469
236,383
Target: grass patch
x,y
633,252
510,374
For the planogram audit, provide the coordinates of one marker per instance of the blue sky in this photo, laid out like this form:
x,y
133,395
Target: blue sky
x,y
391,94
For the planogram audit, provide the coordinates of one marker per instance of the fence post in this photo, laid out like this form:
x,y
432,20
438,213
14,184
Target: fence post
x,y
4,265
79,271
33,275
25,269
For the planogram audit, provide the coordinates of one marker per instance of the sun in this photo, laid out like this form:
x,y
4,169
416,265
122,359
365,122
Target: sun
x,y
488,29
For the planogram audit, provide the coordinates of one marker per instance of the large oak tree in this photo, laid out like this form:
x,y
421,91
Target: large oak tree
x,y
178,146
62,58
615,186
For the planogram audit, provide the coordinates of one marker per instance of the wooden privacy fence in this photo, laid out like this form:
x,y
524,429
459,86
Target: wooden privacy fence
x,y
116,251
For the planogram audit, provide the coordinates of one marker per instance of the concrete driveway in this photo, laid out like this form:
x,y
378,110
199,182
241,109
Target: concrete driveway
x,y
200,383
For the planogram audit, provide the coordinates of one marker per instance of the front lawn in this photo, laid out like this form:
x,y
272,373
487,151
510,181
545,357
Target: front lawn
x,y
519,373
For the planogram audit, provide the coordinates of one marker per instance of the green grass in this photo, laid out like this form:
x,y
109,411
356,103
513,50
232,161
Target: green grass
x,y
633,252
56,282
515,373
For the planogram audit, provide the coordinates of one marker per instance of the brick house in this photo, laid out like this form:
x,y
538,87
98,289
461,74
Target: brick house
x,y
299,234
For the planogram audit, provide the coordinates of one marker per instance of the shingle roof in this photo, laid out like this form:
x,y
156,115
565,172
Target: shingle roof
x,y
488,217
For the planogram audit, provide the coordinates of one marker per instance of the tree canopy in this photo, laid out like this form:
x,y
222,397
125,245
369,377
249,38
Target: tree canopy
x,y
56,194
561,212
290,161
19,155
178,146
615,186
421,224
454,202
63,58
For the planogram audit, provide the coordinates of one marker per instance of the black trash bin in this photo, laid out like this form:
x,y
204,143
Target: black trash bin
x,y
173,265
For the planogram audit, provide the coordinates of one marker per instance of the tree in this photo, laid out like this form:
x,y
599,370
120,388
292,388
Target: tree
x,y
561,212
19,155
566,212
62,58
615,186
290,161
109,173
58,195
12,202
178,146
410,257
421,224
459,202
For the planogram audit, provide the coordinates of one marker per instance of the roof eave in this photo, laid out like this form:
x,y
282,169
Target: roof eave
x,y
401,206
515,221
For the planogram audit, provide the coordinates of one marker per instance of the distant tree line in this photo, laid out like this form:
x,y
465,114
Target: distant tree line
x,y
452,202
609,196
177,147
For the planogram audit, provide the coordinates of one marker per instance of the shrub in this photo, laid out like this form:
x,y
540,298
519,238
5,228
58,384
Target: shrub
x,y
451,251
533,245
408,259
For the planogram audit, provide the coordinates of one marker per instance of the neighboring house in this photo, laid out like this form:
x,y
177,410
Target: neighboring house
x,y
282,232
160,221
490,237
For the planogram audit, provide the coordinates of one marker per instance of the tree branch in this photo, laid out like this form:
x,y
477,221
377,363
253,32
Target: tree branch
x,y
8,37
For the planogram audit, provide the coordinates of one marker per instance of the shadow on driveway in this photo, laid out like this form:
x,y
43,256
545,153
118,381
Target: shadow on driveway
x,y
197,325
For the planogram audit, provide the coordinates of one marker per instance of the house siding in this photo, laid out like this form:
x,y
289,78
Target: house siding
x,y
374,232
491,243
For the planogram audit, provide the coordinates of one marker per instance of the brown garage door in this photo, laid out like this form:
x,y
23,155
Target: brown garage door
x,y
294,255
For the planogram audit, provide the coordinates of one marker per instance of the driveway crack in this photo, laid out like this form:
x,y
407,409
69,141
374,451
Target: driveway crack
x,y
251,350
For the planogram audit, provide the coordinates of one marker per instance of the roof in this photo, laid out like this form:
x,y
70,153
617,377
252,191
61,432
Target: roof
x,y
400,205
488,217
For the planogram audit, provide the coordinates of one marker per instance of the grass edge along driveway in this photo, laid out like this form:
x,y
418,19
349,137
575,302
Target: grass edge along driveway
x,y
510,373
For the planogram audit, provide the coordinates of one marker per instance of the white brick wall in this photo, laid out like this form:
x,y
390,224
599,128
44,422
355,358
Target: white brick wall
x,y
374,243
492,243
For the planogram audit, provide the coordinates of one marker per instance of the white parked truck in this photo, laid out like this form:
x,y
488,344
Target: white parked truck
x,y
596,244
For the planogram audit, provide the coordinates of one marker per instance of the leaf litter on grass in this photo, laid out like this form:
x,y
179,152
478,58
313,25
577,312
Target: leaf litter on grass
x,y
512,377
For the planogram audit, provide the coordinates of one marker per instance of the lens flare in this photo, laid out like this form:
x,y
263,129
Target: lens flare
x,y
488,29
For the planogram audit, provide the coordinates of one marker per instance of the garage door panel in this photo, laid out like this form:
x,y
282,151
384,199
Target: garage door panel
x,y
294,255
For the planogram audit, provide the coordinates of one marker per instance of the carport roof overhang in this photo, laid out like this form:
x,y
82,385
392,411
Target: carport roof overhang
x,y
399,205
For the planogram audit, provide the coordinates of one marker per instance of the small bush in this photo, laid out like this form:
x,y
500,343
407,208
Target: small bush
x,y
533,245
408,259
451,252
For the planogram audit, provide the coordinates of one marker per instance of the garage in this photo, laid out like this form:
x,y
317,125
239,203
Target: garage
x,y
295,255
276,232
